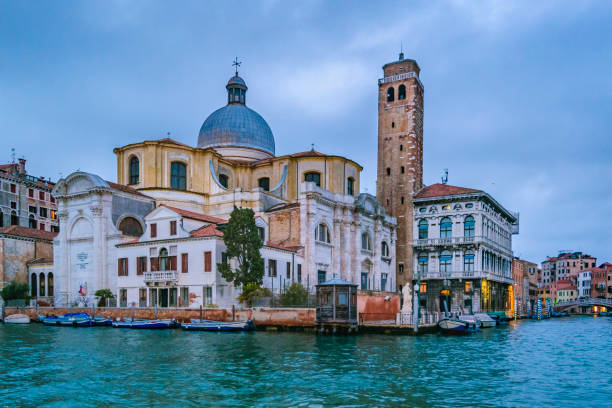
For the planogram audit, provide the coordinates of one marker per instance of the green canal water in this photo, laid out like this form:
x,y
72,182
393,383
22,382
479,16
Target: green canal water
x,y
561,362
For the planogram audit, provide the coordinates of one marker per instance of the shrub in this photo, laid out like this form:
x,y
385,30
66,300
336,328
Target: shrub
x,y
16,290
294,295
251,291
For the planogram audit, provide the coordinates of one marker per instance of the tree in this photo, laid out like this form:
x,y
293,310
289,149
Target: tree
x,y
102,295
15,291
252,291
294,295
243,243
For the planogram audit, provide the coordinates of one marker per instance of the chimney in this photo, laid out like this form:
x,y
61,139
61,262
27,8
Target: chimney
x,y
22,169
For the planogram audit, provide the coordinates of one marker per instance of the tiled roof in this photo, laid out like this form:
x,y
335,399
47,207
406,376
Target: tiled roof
x,y
440,190
172,141
207,231
125,189
17,230
195,215
285,248
40,261
308,153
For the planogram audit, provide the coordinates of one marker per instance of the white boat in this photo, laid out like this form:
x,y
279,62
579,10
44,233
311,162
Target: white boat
x,y
17,319
486,320
451,325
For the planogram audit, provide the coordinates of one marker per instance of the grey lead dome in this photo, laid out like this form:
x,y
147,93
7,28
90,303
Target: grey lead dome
x,y
235,125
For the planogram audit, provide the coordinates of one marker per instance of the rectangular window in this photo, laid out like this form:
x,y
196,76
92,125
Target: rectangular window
x,y
32,209
184,300
313,177
172,227
288,270
184,263
207,261
13,205
41,195
13,188
152,297
53,215
41,226
122,267
207,296
224,258
350,186
43,212
54,228
142,298
173,297
272,268
321,276
153,230
52,198
299,273
141,265
31,193
122,297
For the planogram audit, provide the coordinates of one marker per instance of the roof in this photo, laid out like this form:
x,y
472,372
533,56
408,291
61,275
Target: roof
x,y
336,281
19,231
38,261
440,190
195,215
125,189
207,231
284,248
309,153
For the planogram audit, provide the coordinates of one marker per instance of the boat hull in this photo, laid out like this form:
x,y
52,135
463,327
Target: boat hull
x,y
145,324
211,325
456,326
17,319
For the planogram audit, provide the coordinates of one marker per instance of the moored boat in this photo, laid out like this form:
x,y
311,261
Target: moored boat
x,y
102,321
17,318
144,324
212,325
452,325
69,319
486,320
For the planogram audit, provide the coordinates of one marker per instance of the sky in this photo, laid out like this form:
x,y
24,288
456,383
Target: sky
x,y
518,95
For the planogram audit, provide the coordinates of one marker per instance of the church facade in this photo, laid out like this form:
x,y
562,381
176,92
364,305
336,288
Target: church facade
x,y
152,237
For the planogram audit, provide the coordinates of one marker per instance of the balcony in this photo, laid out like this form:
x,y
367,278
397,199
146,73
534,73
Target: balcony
x,y
431,242
464,275
161,276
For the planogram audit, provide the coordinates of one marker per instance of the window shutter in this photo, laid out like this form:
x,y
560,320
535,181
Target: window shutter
x,y
184,263
153,230
125,272
172,263
139,266
172,227
207,261
119,267
154,264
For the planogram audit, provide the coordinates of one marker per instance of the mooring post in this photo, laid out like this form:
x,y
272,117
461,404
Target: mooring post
x,y
156,311
415,307
200,313
133,311
93,310
233,313
36,308
2,312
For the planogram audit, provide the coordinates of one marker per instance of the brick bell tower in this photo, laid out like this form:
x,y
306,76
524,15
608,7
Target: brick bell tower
x,y
400,152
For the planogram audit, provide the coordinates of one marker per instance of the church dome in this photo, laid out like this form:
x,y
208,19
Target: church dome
x,y
235,125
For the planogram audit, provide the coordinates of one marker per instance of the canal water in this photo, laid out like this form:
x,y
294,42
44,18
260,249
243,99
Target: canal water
x,y
565,362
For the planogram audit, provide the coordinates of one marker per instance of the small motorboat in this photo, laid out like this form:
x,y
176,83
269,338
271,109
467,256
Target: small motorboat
x,y
213,325
69,319
102,321
453,325
145,324
17,319
485,320
499,317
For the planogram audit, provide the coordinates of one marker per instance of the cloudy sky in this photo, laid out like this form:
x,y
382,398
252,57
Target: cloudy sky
x,y
518,95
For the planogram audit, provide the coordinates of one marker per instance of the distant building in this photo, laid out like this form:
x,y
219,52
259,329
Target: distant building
x,y
26,200
462,248
583,283
563,290
566,265
525,277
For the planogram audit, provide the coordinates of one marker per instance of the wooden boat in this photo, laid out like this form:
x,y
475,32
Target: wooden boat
x,y
17,319
499,317
69,319
212,325
102,321
145,324
452,325
485,320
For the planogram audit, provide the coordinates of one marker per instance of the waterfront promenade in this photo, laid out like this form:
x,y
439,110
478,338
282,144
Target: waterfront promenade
x,y
527,363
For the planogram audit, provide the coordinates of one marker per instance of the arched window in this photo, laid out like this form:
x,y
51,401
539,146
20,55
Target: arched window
x,y
350,186
384,249
423,229
134,170
14,218
446,260
41,284
313,177
224,180
33,285
32,222
468,261
366,244
468,226
322,233
178,176
390,94
423,260
130,226
401,92
50,284
446,228
264,183
163,260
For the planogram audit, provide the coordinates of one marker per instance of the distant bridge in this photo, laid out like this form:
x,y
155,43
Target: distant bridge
x,y
584,302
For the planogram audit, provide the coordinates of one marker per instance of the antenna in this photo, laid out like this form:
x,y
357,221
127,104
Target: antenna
x,y
12,155
445,177
236,64
312,147
401,55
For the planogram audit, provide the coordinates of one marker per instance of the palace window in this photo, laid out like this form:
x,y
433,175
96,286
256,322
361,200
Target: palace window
x,y
178,176
322,233
41,284
366,243
446,262
50,284
350,186
401,92
224,180
34,286
164,263
130,226
32,222
14,218
172,227
390,94
423,229
384,249
423,261
122,267
446,228
134,170
264,183
468,261
468,226
313,177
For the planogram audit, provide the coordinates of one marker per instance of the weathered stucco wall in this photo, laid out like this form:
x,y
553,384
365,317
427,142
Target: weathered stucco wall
x,y
15,253
377,305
